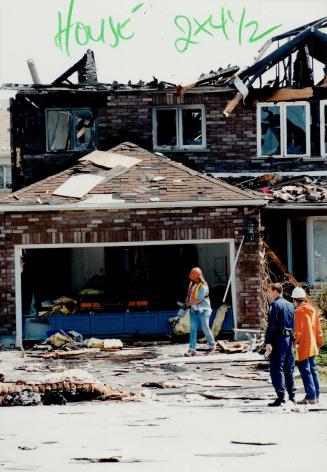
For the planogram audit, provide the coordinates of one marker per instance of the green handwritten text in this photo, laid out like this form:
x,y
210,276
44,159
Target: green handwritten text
x,y
108,30
192,30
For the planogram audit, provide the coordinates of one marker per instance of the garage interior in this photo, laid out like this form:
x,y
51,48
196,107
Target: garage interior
x,y
67,287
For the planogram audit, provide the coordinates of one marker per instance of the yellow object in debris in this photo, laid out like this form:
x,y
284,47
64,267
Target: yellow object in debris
x,y
183,324
112,344
219,319
104,343
94,342
58,340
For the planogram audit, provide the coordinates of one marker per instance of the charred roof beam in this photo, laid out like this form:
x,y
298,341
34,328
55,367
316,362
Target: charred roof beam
x,y
85,69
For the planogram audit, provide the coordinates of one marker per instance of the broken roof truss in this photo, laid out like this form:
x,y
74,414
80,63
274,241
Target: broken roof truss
x,y
307,40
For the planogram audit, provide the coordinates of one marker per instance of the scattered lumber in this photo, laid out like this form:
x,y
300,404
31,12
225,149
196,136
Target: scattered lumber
x,y
233,347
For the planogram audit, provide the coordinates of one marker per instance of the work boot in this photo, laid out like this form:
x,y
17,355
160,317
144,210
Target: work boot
x,y
211,350
278,402
307,401
190,354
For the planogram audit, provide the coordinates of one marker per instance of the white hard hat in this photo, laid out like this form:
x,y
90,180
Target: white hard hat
x,y
298,293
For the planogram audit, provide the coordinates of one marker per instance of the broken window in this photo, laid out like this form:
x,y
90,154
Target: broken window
x,y
179,127
166,127
296,129
270,131
323,127
5,177
319,230
192,127
284,129
70,130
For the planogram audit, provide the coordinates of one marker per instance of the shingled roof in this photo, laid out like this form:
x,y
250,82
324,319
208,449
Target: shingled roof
x,y
125,176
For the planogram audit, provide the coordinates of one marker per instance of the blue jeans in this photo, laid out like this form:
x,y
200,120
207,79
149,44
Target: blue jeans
x,y
203,318
310,379
282,367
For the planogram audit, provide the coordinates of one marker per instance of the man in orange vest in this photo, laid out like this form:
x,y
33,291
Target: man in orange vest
x,y
200,310
308,340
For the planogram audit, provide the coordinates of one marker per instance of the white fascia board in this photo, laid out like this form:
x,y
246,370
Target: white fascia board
x,y
297,207
313,173
131,206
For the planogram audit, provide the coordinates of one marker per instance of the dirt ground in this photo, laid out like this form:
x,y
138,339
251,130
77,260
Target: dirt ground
x,y
190,413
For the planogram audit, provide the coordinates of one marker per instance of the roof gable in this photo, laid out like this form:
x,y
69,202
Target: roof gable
x,y
138,176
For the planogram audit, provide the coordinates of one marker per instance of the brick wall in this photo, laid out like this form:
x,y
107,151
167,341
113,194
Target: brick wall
x,y
127,116
103,226
231,142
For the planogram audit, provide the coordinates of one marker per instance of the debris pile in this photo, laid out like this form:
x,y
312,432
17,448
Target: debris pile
x,y
252,344
58,388
63,305
305,192
277,188
73,342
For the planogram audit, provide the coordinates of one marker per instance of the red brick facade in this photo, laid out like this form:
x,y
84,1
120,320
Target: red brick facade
x,y
104,226
230,142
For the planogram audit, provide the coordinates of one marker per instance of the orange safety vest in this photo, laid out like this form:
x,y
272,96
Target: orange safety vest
x,y
192,294
308,333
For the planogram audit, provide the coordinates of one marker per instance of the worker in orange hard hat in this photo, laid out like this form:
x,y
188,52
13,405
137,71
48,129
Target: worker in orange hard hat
x,y
308,340
200,310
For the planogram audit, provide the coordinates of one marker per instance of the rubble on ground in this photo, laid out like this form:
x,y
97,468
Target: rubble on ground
x,y
58,388
151,371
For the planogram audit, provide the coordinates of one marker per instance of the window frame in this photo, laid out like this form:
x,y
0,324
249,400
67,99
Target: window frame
x,y
323,145
7,177
310,249
283,128
179,128
73,111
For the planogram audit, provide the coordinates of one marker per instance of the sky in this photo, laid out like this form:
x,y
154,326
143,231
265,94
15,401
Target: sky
x,y
173,40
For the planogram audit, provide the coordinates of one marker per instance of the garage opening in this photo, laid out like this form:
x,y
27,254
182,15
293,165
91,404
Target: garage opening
x,y
119,290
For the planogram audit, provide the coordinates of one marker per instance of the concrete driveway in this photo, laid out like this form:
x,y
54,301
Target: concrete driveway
x,y
211,413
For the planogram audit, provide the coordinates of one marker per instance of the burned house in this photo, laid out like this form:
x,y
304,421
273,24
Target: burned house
x,y
280,126
117,233
291,147
228,124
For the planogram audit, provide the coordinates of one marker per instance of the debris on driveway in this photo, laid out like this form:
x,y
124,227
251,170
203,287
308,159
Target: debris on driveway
x,y
255,442
57,388
72,340
20,398
61,376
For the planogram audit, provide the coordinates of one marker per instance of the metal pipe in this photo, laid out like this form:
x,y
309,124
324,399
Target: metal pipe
x,y
233,270
33,71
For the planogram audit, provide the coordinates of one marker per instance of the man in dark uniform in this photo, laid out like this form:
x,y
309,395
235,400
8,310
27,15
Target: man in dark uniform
x,y
279,345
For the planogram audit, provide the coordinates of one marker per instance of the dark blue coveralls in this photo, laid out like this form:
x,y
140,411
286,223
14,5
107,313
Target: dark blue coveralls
x,y
279,334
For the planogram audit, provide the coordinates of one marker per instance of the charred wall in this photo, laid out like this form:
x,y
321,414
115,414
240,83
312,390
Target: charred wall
x,y
31,160
121,115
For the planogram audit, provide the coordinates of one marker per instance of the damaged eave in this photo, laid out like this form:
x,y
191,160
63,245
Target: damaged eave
x,y
130,206
285,94
212,79
274,206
